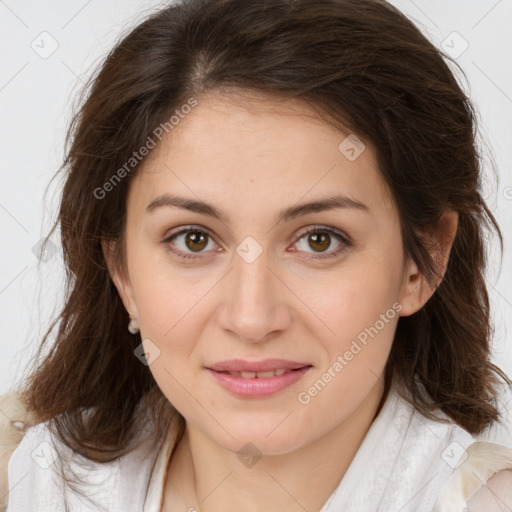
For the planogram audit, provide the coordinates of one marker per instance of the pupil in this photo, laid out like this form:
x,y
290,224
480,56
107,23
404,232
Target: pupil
x,y
321,240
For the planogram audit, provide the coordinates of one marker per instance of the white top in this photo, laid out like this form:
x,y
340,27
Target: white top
x,y
404,464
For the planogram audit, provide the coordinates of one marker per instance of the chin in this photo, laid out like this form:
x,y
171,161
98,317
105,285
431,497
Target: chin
x,y
262,438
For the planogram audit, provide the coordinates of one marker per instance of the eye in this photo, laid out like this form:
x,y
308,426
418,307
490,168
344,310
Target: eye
x,y
319,239
190,240
193,239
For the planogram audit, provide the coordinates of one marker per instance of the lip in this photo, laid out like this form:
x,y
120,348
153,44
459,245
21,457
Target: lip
x,y
257,387
240,365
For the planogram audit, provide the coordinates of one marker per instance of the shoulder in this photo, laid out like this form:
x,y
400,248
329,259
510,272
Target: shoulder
x,y
481,480
495,492
33,461
495,495
15,421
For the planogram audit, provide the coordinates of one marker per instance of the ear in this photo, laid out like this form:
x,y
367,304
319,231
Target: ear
x,y
417,291
119,277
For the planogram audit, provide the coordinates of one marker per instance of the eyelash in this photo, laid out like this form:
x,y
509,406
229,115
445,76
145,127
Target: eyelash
x,y
346,242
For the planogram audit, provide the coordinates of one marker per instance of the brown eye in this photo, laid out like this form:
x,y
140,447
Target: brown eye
x,y
186,242
319,241
196,240
324,242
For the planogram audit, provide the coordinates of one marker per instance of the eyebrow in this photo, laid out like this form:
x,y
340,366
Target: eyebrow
x,y
203,208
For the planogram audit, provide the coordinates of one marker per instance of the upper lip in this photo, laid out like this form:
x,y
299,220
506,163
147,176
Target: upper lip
x,y
240,365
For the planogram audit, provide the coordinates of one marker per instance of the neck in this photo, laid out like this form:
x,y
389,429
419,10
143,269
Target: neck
x,y
206,477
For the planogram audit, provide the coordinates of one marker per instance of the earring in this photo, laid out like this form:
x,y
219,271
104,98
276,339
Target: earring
x,y
133,326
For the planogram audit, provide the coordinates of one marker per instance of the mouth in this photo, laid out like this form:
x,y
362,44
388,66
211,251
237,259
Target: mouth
x,y
261,375
257,379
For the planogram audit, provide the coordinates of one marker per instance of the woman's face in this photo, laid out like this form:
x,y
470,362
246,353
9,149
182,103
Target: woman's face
x,y
234,252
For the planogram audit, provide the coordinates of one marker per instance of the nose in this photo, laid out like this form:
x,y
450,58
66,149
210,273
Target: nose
x,y
254,306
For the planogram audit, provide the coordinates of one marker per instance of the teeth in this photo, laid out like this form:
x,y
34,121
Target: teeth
x,y
265,375
260,375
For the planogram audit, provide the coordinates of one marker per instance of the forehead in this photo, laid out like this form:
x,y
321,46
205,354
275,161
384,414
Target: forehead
x,y
233,146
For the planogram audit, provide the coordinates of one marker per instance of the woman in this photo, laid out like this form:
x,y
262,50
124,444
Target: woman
x,y
274,237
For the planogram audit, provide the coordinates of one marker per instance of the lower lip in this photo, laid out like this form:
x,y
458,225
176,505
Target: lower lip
x,y
256,387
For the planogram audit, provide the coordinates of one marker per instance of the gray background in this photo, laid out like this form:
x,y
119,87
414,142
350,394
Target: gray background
x,y
48,48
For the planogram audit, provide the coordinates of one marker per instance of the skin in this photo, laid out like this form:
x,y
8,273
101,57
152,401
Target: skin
x,y
252,159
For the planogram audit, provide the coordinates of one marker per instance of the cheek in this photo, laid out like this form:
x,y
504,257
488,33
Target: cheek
x,y
359,310
362,315
166,297
172,319
351,300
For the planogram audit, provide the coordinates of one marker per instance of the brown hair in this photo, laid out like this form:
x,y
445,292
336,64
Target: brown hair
x,y
366,68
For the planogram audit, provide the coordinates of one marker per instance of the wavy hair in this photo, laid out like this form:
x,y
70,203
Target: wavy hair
x,y
364,67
